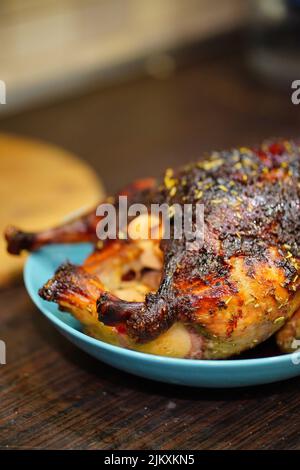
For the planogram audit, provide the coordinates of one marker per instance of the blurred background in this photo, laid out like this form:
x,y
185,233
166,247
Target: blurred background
x,y
133,86
51,47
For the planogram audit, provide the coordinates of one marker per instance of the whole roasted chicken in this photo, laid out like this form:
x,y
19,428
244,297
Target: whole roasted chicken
x,y
212,300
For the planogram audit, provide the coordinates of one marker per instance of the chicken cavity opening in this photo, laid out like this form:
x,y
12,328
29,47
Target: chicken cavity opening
x,y
133,268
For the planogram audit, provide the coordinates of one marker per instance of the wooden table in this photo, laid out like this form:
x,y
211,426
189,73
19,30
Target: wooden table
x,y
55,396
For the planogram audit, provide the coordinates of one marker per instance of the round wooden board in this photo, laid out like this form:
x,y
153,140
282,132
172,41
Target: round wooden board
x,y
40,186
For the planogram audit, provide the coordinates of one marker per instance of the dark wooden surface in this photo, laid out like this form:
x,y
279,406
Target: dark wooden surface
x,y
55,396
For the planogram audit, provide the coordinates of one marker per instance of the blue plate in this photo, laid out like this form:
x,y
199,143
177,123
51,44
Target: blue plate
x,y
40,267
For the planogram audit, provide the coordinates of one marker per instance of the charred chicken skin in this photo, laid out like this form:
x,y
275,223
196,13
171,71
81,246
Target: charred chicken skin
x,y
232,292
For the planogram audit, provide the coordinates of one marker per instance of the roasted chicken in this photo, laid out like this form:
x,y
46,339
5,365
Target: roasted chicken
x,y
223,296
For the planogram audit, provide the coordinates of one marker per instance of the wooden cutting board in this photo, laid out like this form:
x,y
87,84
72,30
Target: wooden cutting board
x,y
40,185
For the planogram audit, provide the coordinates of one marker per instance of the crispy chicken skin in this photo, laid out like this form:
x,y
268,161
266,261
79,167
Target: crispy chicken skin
x,y
210,301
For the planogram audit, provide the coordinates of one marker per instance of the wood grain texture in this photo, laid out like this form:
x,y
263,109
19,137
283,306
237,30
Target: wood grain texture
x,y
55,396
41,185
